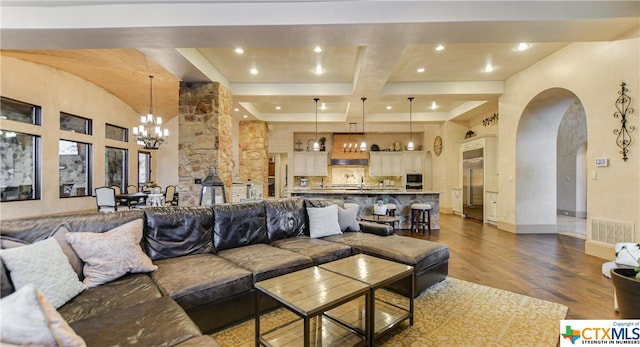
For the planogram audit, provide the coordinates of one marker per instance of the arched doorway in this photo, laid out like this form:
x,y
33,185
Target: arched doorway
x,y
551,130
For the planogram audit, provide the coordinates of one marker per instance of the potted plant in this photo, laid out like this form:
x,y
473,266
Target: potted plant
x,y
626,281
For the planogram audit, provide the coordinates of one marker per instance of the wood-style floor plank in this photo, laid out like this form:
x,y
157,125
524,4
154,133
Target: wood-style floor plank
x,y
545,266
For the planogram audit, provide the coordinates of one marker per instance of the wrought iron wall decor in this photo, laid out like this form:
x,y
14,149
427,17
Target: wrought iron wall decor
x,y
623,139
490,120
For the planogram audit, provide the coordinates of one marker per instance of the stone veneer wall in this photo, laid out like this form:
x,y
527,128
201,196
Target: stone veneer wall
x,y
205,137
254,156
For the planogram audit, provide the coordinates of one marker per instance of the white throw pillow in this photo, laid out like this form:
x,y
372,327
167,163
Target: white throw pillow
x,y
323,221
44,265
109,255
29,319
347,218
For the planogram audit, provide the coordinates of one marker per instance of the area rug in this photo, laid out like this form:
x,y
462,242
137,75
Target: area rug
x,y
451,313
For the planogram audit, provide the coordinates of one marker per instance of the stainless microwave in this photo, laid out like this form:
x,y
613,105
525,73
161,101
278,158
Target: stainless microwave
x,y
414,181
414,178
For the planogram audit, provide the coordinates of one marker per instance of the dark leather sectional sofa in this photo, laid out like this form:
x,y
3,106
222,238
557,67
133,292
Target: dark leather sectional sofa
x,y
208,260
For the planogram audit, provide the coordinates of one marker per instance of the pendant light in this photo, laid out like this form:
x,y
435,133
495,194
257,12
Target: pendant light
x,y
149,133
316,145
410,145
363,145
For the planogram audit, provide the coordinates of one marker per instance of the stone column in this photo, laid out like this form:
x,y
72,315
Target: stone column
x,y
254,156
205,137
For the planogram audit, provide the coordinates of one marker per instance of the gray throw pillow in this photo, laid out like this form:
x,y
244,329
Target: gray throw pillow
x,y
323,221
109,255
347,218
44,265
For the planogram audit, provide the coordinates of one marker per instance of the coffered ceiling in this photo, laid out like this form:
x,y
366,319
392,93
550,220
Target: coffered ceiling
x,y
369,49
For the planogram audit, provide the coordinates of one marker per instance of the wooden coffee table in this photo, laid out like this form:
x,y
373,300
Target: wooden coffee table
x,y
309,293
377,273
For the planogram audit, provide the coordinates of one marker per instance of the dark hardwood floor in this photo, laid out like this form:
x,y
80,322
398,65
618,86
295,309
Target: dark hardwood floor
x,y
545,266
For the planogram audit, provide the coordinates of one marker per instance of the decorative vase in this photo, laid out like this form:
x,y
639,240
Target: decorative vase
x,y
627,292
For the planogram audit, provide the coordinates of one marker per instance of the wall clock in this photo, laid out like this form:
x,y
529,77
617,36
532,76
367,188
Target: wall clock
x,y
437,145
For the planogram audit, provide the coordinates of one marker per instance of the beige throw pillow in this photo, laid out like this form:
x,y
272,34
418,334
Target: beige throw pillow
x,y
29,319
44,265
109,255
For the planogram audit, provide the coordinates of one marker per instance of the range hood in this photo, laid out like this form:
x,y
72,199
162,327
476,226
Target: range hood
x,y
346,149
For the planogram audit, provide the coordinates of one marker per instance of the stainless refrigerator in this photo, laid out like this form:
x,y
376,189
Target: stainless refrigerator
x,y
473,184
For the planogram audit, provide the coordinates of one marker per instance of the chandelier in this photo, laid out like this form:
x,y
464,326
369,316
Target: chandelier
x,y
363,145
149,133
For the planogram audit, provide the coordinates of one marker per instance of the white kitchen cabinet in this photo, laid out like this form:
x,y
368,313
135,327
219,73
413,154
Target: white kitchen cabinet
x,y
492,207
310,164
456,201
385,164
413,162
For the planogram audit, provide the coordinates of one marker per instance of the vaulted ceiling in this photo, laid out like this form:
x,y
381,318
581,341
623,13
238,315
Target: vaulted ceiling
x,y
367,49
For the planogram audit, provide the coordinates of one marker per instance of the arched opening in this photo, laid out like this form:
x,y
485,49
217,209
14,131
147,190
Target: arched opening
x,y
550,132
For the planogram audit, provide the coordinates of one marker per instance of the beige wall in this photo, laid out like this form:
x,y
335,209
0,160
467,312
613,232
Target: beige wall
x,y
593,72
56,91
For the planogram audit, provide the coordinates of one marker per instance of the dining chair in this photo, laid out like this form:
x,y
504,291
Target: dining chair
x,y
168,195
132,189
106,200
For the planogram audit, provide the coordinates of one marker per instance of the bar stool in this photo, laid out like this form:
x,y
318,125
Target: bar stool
x,y
417,216
391,210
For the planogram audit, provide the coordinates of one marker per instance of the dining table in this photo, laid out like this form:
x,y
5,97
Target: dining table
x,y
137,197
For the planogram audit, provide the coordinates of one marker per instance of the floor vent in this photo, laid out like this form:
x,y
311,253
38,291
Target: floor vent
x,y
611,232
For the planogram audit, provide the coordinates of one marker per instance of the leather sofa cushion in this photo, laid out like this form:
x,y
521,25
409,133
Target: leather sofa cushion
x,y
320,251
128,290
177,231
239,225
36,229
198,279
285,218
266,261
159,322
420,254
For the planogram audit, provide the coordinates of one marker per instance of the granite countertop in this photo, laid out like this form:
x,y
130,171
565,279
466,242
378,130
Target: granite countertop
x,y
368,190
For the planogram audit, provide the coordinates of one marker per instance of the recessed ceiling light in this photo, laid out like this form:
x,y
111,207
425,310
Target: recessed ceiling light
x,y
245,116
434,105
317,49
420,69
318,70
523,46
488,68
239,50
254,71
278,107
323,106
236,109
439,48
389,107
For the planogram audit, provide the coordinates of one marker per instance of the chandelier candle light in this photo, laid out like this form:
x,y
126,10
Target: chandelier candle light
x,y
149,133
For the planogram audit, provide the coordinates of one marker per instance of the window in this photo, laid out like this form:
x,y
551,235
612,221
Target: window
x,y
19,166
74,169
144,169
116,163
19,111
75,124
115,132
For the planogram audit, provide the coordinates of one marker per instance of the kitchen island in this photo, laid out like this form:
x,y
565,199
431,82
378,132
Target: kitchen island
x,y
367,197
